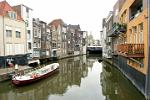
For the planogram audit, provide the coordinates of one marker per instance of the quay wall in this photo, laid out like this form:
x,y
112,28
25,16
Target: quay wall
x,y
137,78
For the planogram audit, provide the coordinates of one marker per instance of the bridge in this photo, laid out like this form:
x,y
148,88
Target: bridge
x,y
94,49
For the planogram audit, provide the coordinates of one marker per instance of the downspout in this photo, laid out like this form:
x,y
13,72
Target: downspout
x,y
4,43
147,86
3,37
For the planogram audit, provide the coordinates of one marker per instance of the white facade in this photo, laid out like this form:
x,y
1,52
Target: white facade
x,y
13,38
107,51
84,46
108,41
104,45
26,14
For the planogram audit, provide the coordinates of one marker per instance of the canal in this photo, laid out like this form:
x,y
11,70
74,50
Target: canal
x,y
79,78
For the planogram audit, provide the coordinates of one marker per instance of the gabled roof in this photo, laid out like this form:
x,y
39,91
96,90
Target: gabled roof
x,y
5,7
74,26
23,6
56,22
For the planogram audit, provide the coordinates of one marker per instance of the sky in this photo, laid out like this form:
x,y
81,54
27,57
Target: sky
x,y
87,13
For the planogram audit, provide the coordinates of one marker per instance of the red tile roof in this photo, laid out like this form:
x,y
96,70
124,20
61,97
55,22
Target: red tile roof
x,y
57,22
5,7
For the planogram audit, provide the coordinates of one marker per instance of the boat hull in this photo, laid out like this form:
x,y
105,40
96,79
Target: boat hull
x,y
26,82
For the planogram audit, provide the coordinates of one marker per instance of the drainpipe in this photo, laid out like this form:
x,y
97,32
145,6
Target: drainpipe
x,y
147,86
4,43
3,37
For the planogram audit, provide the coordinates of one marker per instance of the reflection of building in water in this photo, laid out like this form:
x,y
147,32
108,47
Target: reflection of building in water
x,y
70,73
115,86
109,84
84,59
92,58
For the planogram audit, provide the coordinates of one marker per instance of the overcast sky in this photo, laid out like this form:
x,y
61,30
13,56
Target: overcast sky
x,y
87,13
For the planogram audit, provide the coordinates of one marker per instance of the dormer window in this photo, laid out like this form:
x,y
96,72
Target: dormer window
x,y
12,15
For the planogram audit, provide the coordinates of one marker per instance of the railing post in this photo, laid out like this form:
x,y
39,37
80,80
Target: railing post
x,y
127,48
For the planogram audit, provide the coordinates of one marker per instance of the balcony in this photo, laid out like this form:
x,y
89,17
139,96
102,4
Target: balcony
x,y
131,50
117,29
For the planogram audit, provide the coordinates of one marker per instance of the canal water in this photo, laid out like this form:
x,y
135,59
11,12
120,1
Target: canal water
x,y
79,78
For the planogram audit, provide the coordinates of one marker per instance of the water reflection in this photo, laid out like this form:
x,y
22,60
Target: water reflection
x,y
116,87
70,73
79,78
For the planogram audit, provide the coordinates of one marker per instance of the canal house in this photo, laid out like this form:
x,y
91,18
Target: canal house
x,y
56,26
27,15
129,41
36,38
45,40
134,45
107,43
13,36
70,39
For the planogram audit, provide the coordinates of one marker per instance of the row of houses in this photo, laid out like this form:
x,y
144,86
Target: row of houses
x,y
125,40
24,37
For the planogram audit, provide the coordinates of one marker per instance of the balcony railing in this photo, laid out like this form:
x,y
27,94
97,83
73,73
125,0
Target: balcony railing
x,y
117,29
131,50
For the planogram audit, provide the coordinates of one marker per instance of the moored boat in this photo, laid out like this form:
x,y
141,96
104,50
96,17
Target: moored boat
x,y
35,75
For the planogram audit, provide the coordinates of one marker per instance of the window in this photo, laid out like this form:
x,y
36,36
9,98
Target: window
x,y
36,53
35,32
18,34
54,45
27,15
29,34
124,17
35,44
130,36
134,29
136,38
27,23
8,33
136,8
141,27
141,37
12,14
141,33
27,11
39,32
29,46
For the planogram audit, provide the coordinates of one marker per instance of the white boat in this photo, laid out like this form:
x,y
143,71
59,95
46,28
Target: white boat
x,y
35,75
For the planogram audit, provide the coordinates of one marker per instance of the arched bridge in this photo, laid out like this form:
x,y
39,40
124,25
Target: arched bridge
x,y
94,49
